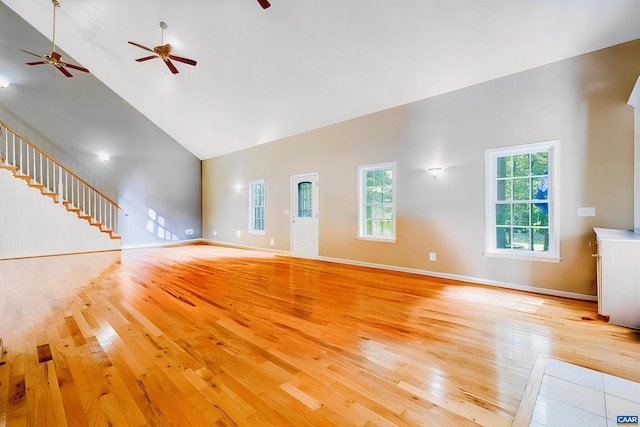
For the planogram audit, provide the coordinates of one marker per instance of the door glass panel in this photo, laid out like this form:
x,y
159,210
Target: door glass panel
x,y
304,199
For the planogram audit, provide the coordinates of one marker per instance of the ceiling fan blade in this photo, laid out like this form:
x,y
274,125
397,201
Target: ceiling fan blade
x,y
141,47
35,63
64,71
75,67
30,53
146,58
172,67
264,3
184,60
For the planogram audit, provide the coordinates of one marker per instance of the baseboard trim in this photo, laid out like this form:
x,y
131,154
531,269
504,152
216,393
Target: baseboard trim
x,y
167,244
456,277
461,278
249,248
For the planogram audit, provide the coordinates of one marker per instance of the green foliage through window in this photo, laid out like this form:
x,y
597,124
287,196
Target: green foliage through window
x,y
377,210
521,206
257,206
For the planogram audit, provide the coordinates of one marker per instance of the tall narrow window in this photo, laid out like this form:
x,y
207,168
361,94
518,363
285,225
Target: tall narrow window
x,y
257,207
521,201
376,213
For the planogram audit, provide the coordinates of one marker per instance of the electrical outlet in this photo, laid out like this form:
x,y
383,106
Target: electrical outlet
x,y
272,242
238,234
432,256
189,232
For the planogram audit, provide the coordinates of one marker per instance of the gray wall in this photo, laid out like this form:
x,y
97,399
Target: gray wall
x,y
581,102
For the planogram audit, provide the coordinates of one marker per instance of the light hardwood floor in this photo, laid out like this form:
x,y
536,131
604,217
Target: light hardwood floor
x,y
203,335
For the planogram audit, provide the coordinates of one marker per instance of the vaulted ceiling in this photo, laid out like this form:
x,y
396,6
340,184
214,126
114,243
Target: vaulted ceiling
x,y
266,74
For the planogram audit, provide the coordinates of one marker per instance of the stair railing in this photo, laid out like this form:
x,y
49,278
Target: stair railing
x,y
58,181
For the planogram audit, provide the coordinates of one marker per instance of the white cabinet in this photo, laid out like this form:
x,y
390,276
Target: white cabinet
x,y
619,276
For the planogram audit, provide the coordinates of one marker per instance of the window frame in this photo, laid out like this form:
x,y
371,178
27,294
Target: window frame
x,y
553,200
362,181
252,206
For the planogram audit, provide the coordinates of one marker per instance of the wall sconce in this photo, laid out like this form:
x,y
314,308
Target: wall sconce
x,y
239,187
435,171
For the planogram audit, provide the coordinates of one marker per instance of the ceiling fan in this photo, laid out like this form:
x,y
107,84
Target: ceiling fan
x,y
164,52
53,57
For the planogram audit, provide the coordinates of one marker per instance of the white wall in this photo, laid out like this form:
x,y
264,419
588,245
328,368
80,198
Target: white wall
x,y
33,225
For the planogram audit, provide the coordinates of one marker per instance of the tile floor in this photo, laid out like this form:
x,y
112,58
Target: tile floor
x,y
571,395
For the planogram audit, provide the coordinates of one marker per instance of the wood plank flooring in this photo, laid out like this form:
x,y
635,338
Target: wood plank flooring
x,y
203,335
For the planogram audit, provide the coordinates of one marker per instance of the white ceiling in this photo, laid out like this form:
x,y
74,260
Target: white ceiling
x,y
267,74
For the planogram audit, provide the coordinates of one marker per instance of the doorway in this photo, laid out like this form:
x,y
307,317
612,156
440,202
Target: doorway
x,y
304,215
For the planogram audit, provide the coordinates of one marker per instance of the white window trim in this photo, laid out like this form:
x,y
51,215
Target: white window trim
x,y
553,255
252,230
362,170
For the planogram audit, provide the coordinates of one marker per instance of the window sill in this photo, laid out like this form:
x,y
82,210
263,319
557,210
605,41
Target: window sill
x,y
258,232
523,256
377,239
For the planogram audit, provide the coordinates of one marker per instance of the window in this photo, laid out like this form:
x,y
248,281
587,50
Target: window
x,y
256,207
521,201
305,199
376,212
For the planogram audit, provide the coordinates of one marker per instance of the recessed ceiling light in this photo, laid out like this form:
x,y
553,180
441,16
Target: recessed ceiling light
x,y
3,83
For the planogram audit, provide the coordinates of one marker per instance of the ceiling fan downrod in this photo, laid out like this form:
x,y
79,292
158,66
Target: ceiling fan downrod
x,y
164,27
55,4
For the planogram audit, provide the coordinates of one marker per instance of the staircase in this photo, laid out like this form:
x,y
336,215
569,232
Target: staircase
x,y
41,172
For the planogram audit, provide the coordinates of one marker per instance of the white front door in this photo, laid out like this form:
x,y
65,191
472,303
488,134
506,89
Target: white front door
x,y
304,215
